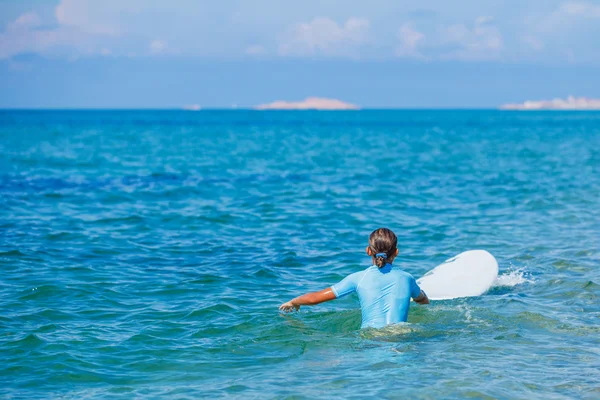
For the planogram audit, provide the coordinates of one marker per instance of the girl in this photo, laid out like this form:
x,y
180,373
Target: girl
x,y
384,291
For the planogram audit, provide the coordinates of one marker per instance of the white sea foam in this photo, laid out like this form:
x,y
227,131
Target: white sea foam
x,y
513,276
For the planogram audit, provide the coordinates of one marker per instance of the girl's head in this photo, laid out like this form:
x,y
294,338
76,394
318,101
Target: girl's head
x,y
382,247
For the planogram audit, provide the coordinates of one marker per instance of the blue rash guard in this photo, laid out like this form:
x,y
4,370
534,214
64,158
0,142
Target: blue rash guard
x,y
384,294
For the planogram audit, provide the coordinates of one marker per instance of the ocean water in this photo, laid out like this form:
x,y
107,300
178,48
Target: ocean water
x,y
143,254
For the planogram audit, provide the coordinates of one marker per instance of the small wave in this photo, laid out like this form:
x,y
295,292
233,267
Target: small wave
x,y
390,333
513,277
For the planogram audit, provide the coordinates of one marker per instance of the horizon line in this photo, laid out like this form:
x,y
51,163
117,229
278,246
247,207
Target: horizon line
x,y
252,108
499,108
458,108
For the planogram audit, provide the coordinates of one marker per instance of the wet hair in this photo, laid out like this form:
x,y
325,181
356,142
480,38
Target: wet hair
x,y
382,244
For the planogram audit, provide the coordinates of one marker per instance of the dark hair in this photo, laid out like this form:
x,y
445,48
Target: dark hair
x,y
383,240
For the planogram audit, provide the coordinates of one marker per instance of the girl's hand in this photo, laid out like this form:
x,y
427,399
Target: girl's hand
x,y
308,299
289,307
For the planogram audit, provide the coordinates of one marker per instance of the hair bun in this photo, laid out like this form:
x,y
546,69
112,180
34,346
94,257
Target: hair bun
x,y
381,260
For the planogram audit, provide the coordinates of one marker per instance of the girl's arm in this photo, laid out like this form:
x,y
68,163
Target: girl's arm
x,y
422,298
308,299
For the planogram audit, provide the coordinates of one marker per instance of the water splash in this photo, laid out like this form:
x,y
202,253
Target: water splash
x,y
512,277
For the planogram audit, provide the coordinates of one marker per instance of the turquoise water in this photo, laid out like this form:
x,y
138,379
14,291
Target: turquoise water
x,y
145,253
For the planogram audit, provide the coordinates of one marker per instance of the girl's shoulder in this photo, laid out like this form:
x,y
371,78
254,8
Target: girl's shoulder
x,y
402,271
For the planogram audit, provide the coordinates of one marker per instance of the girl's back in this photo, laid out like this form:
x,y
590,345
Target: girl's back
x,y
384,294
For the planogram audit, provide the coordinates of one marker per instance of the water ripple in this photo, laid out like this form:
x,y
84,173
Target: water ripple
x,y
144,253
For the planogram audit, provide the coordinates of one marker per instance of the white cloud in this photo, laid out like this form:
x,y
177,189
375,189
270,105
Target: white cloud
x,y
482,40
581,9
559,31
487,35
409,40
323,36
478,41
26,20
568,17
567,32
483,20
158,46
83,15
75,28
24,35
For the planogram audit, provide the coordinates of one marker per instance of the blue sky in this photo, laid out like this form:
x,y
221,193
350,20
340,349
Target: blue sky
x,y
381,53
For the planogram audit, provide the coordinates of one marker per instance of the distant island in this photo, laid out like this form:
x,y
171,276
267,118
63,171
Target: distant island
x,y
310,103
192,107
570,103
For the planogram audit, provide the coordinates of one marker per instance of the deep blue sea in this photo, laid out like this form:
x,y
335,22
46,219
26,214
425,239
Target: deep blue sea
x,y
144,254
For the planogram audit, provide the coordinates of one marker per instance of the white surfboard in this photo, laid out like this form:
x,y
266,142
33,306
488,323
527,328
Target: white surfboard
x,y
470,273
